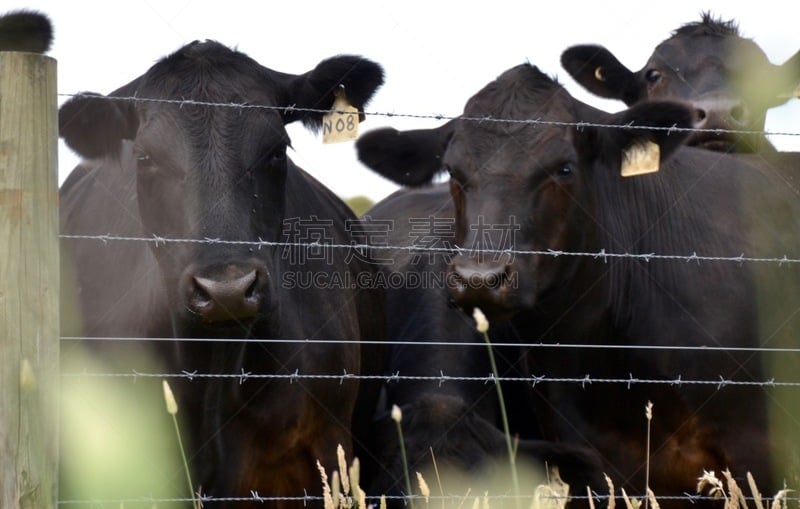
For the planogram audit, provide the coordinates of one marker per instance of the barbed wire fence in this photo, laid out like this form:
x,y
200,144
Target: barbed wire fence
x,y
720,382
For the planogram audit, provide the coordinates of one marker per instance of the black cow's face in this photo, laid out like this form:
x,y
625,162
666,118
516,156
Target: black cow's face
x,y
716,73
727,78
521,190
515,187
212,177
225,182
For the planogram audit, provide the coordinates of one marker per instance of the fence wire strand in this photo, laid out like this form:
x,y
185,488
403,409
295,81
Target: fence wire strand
x,y
602,254
439,117
455,344
720,382
256,497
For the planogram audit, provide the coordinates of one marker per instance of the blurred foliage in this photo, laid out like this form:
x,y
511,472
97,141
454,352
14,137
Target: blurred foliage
x,y
117,439
359,204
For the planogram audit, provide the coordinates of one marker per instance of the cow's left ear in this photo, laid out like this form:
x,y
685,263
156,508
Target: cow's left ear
x,y
597,70
358,77
664,123
787,80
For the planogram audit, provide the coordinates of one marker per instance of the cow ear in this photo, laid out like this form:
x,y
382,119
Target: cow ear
x,y
25,30
409,158
94,125
316,90
664,123
788,80
597,70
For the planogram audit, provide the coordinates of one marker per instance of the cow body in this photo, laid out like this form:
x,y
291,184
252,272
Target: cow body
x,y
183,172
561,189
456,424
726,77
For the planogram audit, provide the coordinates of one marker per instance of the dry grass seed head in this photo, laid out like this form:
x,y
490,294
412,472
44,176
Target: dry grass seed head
x,y
362,498
780,502
611,499
326,489
736,497
714,485
355,472
754,490
343,469
337,499
423,487
652,498
630,503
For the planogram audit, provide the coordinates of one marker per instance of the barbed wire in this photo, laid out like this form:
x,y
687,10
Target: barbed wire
x,y
605,255
521,344
244,376
439,117
256,497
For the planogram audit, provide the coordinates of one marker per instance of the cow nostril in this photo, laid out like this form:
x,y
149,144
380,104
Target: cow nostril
x,y
252,291
701,114
199,296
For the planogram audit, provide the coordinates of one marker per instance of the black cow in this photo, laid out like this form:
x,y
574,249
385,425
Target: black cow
x,y
727,77
457,424
559,188
25,31
195,171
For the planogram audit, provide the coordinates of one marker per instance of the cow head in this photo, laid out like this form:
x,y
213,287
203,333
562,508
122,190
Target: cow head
x,y
212,171
25,31
728,79
520,186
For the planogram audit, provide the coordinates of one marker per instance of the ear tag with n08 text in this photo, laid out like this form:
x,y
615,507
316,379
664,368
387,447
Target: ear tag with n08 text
x,y
341,124
640,159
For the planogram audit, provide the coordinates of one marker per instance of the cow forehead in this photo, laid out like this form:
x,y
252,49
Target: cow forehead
x,y
211,72
213,102
508,122
476,149
698,50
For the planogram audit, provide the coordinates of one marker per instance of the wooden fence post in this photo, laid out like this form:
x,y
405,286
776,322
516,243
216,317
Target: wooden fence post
x,y
29,282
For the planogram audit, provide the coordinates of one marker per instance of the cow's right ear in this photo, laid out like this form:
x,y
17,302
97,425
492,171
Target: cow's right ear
x,y
597,70
409,158
664,123
94,125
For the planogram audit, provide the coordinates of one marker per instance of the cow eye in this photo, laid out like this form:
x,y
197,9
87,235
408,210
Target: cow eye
x,y
652,75
279,158
274,160
564,172
144,161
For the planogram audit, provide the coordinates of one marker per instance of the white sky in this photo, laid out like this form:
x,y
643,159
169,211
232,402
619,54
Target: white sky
x,y
436,54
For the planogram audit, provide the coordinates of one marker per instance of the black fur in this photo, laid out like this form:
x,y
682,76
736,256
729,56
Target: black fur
x,y
25,30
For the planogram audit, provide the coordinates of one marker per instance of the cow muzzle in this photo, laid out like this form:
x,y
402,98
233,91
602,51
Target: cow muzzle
x,y
486,285
718,115
225,294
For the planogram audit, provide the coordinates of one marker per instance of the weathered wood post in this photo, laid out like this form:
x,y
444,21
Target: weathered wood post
x,y
29,282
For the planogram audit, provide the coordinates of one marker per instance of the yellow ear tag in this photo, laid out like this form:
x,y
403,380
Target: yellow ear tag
x,y
341,124
640,158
